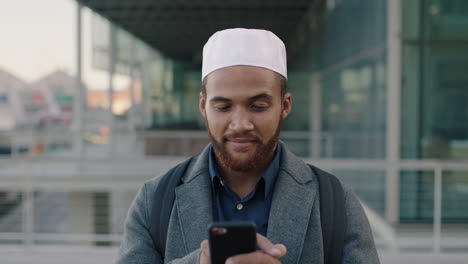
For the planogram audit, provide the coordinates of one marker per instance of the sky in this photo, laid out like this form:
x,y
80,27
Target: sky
x,y
39,37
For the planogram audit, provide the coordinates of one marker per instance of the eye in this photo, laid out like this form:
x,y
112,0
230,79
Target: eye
x,y
223,108
259,107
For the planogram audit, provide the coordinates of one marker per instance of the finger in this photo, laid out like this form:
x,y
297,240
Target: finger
x,y
205,248
257,257
274,250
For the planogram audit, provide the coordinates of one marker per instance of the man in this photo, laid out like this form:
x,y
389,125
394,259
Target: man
x,y
246,173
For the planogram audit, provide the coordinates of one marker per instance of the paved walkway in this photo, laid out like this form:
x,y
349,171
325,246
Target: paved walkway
x,y
56,255
87,255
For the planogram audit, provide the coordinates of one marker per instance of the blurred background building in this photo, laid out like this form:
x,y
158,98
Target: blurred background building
x,y
98,96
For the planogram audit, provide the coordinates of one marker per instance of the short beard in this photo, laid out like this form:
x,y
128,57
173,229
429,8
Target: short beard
x,y
260,158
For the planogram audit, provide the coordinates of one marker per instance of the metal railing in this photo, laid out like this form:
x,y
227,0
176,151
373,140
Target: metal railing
x,y
436,166
33,175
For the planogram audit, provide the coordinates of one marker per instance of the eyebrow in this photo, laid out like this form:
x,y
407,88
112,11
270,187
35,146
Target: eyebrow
x,y
220,99
253,98
261,96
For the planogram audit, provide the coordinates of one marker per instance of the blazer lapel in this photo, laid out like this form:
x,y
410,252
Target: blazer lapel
x,y
293,198
195,211
291,206
194,203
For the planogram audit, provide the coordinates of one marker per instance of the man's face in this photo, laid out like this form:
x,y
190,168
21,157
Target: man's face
x,y
243,109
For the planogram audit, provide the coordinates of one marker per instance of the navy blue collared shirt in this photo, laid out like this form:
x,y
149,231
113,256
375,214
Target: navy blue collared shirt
x,y
227,206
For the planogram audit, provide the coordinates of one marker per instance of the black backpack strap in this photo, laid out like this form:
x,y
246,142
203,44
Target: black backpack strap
x,y
332,216
161,209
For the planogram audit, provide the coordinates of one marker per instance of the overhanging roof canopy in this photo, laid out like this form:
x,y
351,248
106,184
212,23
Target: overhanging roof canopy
x,y
180,28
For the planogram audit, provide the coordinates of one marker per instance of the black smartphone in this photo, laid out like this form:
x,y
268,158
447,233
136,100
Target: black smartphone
x,y
231,238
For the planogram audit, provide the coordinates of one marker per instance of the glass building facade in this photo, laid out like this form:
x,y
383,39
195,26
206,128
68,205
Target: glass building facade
x,y
434,104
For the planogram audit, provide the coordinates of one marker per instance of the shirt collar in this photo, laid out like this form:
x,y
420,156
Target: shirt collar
x,y
269,175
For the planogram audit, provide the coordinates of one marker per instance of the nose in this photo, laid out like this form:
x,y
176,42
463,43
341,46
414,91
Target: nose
x,y
240,122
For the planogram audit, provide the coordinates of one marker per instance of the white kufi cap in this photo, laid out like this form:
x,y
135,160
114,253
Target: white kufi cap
x,y
240,46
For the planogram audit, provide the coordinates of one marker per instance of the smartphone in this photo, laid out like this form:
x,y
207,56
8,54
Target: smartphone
x,y
231,238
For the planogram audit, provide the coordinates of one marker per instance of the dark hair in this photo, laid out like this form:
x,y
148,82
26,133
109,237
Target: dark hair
x,y
282,82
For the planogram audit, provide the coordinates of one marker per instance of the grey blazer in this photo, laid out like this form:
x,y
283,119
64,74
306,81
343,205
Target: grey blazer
x,y
294,218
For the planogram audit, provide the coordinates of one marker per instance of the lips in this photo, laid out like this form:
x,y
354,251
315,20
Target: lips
x,y
241,143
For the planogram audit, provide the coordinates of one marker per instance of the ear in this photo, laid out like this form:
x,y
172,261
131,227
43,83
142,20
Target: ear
x,y
202,104
286,105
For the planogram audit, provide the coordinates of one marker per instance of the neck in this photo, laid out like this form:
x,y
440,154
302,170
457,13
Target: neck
x,y
242,183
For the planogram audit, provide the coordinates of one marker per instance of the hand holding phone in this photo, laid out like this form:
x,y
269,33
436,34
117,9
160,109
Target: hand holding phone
x,y
218,249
